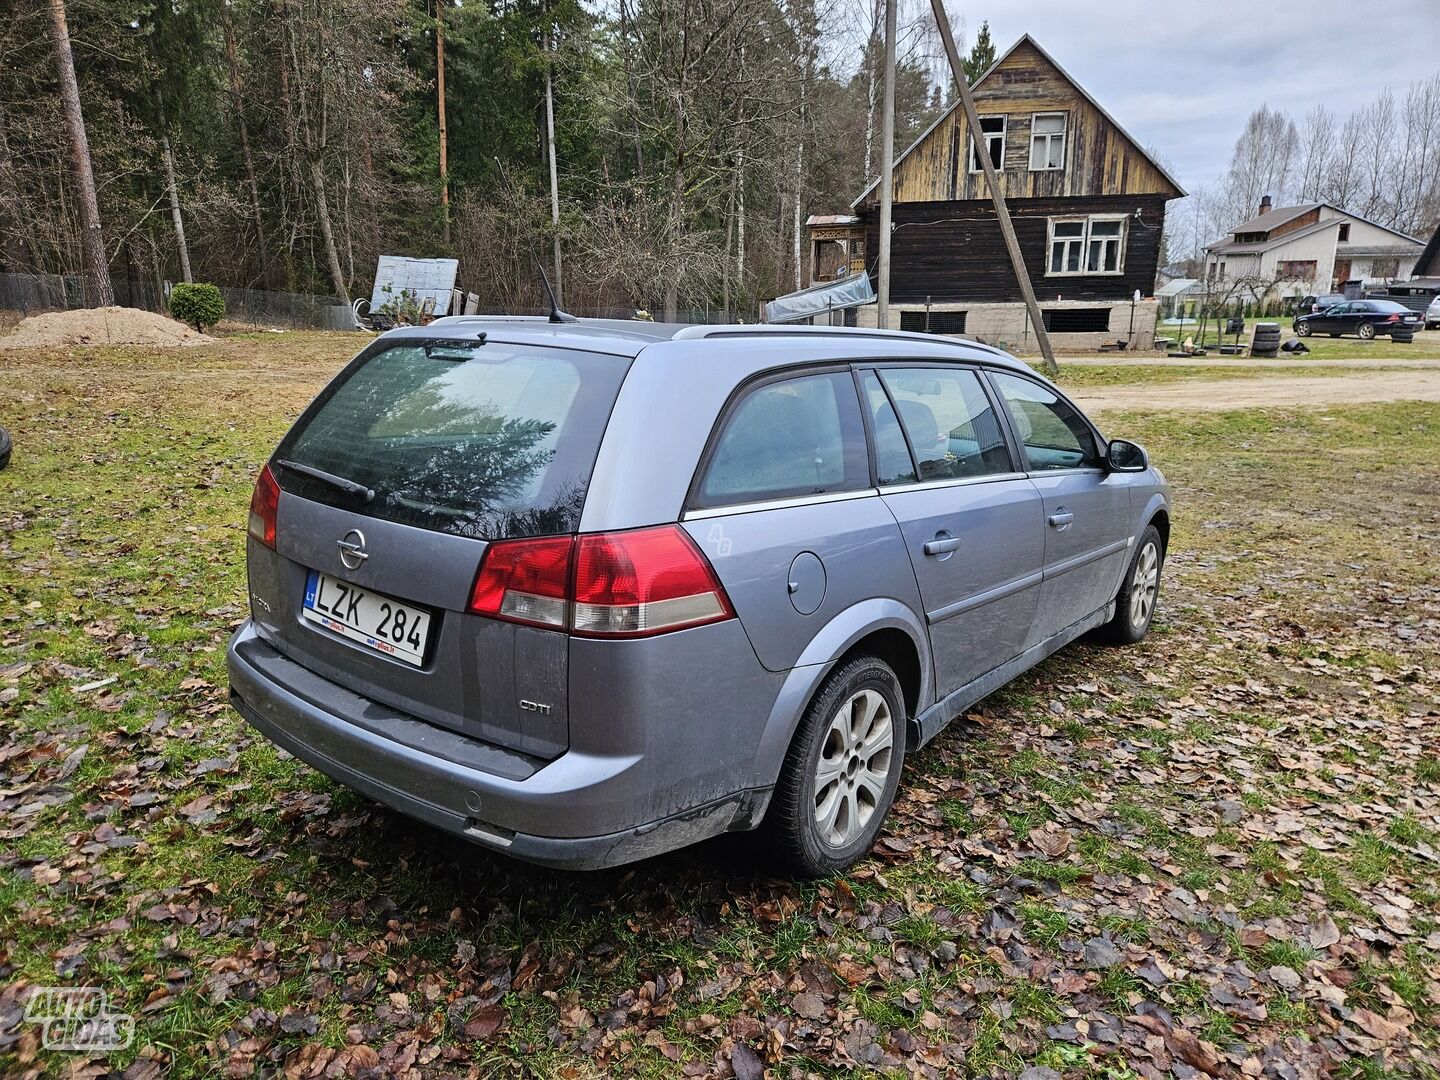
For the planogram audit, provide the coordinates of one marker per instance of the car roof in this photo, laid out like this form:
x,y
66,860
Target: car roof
x,y
632,337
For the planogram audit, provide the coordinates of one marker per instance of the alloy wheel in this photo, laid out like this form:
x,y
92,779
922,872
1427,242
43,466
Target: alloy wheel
x,y
854,767
1145,585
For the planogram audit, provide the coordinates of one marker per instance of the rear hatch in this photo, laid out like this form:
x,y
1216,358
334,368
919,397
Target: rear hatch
x,y
391,485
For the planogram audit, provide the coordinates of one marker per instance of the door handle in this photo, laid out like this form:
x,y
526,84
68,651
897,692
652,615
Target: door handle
x,y
1061,519
942,546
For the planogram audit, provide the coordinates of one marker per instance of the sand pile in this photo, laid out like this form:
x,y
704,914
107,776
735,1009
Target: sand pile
x,y
101,326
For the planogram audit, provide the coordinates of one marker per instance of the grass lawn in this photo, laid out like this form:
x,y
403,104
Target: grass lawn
x,y
1218,851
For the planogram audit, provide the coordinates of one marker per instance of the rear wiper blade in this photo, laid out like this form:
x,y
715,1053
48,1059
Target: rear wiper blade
x,y
350,487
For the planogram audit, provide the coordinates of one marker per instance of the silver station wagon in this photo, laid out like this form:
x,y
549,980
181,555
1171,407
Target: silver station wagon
x,y
584,592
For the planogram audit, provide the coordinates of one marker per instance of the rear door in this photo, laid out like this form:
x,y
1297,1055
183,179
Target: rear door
x,y
972,523
1086,508
392,484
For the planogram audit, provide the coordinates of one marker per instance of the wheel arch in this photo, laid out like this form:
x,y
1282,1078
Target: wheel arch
x,y
885,628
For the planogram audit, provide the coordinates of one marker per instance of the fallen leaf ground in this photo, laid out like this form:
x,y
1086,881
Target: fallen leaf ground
x,y
1216,854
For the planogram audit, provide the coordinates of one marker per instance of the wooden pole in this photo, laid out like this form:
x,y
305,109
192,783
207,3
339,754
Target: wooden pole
x,y
554,173
887,169
1007,230
440,110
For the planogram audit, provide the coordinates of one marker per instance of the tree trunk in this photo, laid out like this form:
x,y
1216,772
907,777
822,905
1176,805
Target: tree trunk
x,y
172,190
248,158
327,233
554,173
96,264
440,109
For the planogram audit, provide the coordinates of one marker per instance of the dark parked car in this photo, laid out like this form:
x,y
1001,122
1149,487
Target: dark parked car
x,y
1313,305
1364,318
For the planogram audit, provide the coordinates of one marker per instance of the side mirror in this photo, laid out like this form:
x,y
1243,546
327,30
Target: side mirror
x,y
1126,456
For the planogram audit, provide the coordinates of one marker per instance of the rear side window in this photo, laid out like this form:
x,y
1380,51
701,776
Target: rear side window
x,y
892,456
950,423
485,440
1054,435
786,439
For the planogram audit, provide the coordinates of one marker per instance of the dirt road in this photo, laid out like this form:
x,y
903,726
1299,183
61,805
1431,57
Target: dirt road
x,y
1382,385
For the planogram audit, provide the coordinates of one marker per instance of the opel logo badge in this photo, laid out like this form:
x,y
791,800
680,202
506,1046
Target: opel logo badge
x,y
352,549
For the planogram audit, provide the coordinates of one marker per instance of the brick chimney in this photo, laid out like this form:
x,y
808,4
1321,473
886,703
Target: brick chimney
x,y
1265,205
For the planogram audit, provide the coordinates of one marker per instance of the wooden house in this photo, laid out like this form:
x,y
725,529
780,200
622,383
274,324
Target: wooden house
x,y
1087,201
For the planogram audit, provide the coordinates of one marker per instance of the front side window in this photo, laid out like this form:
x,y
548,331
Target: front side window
x,y
1092,245
788,439
1047,141
992,136
1054,435
951,427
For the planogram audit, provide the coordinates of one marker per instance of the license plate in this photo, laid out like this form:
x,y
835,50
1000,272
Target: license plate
x,y
376,621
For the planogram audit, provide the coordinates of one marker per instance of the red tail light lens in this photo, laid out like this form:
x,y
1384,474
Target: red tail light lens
x,y
649,581
1393,318
525,581
263,505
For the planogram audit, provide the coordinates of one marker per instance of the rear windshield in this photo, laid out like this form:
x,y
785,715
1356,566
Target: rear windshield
x,y
486,440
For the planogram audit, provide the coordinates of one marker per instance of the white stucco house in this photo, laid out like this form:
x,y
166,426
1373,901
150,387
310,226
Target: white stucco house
x,y
1310,248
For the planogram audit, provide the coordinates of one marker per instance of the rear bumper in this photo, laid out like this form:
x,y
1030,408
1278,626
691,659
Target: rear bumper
x,y
521,806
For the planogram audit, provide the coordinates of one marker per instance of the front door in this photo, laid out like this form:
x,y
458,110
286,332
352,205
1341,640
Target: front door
x,y
1087,508
971,521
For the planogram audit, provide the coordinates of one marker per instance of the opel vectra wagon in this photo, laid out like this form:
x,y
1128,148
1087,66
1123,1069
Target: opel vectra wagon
x,y
583,592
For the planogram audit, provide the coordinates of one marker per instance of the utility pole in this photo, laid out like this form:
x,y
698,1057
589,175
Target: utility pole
x,y
554,174
96,263
982,152
887,168
440,109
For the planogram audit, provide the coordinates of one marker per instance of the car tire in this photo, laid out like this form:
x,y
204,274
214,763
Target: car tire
x,y
824,816
1139,593
1366,332
5,446
1302,329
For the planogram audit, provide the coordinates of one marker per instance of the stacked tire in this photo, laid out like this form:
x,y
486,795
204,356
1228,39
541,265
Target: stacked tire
x,y
1266,341
1404,335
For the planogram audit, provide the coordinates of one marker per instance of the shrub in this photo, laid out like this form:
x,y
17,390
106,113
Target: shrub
x,y
197,304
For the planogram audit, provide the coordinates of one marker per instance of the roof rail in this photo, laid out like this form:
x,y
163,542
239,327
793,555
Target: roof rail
x,y
691,333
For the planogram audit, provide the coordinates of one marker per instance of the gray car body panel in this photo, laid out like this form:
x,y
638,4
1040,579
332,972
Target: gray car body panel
x,y
648,744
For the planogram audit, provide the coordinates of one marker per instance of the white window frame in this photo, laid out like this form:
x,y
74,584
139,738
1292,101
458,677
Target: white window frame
x,y
1083,240
1063,135
986,136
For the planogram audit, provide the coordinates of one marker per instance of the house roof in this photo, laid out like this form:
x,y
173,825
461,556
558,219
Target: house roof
x,y
1231,247
1429,261
1023,40
1275,218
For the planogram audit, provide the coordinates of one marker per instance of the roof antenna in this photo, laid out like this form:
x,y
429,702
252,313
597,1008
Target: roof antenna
x,y
556,315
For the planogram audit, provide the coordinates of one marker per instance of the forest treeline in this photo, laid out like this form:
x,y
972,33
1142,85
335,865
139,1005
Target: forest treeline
x,y
285,144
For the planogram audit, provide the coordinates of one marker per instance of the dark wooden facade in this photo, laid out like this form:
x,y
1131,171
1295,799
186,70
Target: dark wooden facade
x,y
947,246
952,252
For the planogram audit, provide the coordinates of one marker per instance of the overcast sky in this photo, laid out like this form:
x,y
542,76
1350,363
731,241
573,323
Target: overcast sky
x,y
1183,78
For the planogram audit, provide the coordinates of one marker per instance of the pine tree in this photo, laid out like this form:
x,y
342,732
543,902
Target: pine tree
x,y
982,55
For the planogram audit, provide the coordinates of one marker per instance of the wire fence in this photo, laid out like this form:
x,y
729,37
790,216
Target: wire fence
x,y
29,294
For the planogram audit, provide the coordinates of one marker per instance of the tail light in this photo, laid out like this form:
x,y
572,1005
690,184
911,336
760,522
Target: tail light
x,y
1393,318
525,581
263,505
621,584
632,584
